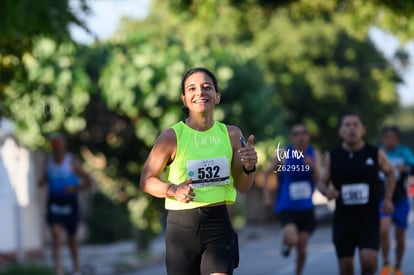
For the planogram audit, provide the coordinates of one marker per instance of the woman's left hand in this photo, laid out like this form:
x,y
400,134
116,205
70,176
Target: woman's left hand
x,y
248,154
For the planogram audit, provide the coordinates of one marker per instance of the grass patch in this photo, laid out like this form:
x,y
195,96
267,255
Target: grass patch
x,y
31,269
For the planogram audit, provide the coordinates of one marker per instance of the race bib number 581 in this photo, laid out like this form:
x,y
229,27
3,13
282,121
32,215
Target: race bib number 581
x,y
354,194
208,172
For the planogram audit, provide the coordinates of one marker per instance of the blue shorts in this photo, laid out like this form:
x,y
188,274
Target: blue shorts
x,y
400,214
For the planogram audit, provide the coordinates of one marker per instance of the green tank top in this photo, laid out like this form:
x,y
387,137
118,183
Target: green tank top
x,y
206,158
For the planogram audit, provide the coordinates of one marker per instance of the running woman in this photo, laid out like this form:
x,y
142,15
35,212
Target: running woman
x,y
206,164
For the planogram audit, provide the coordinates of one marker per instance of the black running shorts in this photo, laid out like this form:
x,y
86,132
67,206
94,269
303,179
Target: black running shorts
x,y
66,214
201,241
304,220
347,238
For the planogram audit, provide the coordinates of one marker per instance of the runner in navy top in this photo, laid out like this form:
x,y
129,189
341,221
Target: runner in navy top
x,y
64,176
296,167
353,169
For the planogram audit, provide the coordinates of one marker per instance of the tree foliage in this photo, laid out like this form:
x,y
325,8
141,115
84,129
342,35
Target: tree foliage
x,y
24,19
396,16
320,71
50,93
38,68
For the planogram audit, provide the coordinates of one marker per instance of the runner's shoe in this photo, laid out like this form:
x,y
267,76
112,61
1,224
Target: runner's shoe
x,y
386,270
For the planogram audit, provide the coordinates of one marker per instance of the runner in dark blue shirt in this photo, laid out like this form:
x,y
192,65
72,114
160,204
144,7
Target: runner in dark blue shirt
x,y
296,167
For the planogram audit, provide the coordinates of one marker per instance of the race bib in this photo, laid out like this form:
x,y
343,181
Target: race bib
x,y
300,190
208,172
60,209
355,194
395,161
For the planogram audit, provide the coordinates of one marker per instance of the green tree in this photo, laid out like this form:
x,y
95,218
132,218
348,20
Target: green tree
x,y
31,59
22,20
396,16
49,92
320,71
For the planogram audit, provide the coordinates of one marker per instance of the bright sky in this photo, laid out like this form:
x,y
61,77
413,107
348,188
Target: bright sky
x,y
388,44
106,15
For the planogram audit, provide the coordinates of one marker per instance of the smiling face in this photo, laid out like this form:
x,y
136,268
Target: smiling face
x,y
200,94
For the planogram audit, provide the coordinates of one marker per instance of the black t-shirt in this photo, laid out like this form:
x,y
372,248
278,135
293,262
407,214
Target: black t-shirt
x,y
355,175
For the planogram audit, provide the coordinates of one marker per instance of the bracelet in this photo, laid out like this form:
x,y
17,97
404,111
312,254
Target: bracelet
x,y
249,171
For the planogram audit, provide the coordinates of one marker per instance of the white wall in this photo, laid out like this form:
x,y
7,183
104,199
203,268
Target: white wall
x,y
20,213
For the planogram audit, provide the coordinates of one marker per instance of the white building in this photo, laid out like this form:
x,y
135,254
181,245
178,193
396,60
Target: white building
x,y
21,212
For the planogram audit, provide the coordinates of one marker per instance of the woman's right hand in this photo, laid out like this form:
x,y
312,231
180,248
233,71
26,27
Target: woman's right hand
x,y
182,192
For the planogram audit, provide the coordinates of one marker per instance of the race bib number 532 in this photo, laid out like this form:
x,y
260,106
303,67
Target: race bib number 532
x,y
208,172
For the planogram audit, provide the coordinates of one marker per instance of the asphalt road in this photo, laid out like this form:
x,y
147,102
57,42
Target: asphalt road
x,y
260,254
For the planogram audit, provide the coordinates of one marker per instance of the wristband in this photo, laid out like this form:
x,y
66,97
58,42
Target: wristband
x,y
249,171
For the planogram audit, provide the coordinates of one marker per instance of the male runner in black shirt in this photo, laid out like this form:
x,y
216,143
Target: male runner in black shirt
x,y
353,168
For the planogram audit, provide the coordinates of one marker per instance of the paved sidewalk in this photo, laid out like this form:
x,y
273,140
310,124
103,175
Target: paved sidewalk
x,y
110,259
